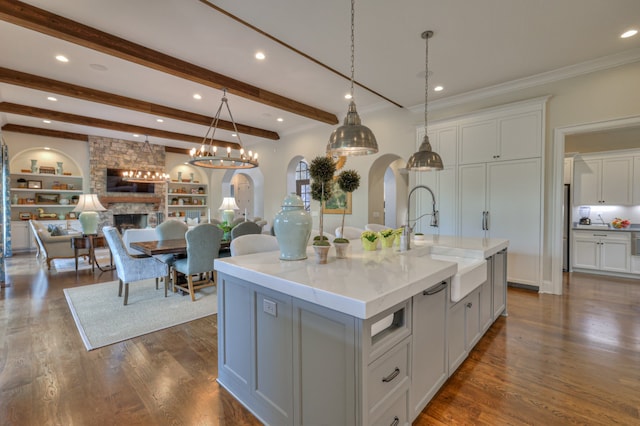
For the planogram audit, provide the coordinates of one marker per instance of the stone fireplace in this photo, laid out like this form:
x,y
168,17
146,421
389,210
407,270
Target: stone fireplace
x,y
107,153
129,221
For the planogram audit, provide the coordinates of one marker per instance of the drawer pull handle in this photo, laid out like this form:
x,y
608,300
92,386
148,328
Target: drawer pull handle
x,y
395,422
391,376
469,305
435,290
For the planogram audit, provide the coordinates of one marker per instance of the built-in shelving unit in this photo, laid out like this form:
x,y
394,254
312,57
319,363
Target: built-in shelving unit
x,y
187,193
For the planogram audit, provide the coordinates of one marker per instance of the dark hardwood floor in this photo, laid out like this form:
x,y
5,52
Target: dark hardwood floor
x,y
554,360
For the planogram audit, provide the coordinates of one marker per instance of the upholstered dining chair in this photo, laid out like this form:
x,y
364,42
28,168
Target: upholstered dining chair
x,y
203,246
349,232
253,243
245,228
130,268
170,230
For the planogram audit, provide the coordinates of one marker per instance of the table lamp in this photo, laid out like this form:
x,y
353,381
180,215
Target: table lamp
x,y
89,206
228,206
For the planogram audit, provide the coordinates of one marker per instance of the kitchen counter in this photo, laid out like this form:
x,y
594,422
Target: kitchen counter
x,y
600,227
366,283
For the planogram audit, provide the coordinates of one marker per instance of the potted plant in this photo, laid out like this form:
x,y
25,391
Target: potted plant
x,y
348,181
321,171
388,236
226,228
369,240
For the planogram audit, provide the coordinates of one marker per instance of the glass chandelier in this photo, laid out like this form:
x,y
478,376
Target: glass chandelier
x,y
352,138
145,176
425,159
208,155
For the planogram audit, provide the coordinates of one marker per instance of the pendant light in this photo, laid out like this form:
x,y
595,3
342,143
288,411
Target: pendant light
x,y
352,138
208,156
425,159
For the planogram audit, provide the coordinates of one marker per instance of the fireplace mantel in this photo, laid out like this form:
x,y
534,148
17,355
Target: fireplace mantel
x,y
129,199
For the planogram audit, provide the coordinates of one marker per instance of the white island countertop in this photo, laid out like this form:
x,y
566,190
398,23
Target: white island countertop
x,y
365,283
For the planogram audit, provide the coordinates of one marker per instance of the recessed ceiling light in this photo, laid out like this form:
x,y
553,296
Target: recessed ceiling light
x,y
234,135
46,121
160,120
197,96
438,89
52,99
46,148
347,96
260,56
629,33
98,67
280,119
135,135
62,58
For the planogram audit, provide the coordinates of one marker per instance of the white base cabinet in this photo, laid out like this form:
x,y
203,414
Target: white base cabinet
x,y
603,251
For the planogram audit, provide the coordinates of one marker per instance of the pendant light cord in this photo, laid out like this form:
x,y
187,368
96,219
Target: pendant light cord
x,y
427,35
353,50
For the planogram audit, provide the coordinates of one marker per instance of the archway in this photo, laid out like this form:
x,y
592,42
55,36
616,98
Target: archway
x,y
254,179
388,187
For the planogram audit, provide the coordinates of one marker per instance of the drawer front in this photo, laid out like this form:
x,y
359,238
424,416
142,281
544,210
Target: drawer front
x,y
396,414
387,374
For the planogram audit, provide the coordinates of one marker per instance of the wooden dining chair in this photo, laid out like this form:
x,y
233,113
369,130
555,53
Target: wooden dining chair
x,y
203,246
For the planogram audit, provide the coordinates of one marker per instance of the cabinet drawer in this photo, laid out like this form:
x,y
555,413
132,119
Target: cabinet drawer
x,y
395,415
388,373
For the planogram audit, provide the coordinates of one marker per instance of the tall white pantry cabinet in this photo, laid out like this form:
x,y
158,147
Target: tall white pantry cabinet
x,y
492,182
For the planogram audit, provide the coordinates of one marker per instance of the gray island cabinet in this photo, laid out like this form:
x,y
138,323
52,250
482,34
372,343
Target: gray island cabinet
x,y
357,341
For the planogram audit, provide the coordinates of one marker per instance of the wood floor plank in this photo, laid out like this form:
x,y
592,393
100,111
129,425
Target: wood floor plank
x,y
552,361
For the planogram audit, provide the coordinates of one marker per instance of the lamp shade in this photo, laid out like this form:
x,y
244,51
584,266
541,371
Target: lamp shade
x,y
88,206
229,203
352,138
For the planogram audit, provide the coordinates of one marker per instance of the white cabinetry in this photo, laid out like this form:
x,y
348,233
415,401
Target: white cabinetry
x,y
39,193
503,200
605,181
506,137
604,251
186,199
636,181
429,350
21,236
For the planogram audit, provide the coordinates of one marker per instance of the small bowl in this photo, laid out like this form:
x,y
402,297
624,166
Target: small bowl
x,y
418,237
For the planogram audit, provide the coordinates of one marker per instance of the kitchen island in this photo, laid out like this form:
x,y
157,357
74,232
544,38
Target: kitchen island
x,y
358,341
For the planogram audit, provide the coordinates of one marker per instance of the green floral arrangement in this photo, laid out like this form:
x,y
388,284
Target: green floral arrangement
x,y
369,236
225,227
386,233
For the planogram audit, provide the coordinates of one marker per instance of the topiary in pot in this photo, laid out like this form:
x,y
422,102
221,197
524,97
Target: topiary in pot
x,y
321,171
348,181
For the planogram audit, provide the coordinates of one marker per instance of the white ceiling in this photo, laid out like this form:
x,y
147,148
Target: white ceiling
x,y
477,44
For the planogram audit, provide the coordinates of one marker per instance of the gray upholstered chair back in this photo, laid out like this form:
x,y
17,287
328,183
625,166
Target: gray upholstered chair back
x,y
171,230
253,243
203,246
245,228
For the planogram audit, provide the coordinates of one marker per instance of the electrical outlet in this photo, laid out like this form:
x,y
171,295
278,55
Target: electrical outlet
x,y
270,307
376,214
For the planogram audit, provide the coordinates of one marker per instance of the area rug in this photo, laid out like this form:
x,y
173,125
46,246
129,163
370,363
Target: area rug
x,y
102,319
65,265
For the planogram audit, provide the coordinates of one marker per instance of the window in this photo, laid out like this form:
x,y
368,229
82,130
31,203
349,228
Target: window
x,y
303,187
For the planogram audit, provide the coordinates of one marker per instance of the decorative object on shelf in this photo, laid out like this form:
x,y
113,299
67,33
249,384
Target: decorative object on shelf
x,y
207,156
321,171
22,183
24,215
34,166
425,159
88,207
14,199
47,198
191,176
618,223
43,215
369,240
145,176
228,206
71,215
293,228
59,169
179,176
47,170
64,201
352,138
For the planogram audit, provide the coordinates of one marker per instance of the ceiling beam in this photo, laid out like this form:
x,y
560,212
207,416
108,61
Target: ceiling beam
x,y
11,108
16,128
31,81
45,22
176,150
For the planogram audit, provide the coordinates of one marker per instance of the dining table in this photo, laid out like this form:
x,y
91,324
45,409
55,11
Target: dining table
x,y
176,246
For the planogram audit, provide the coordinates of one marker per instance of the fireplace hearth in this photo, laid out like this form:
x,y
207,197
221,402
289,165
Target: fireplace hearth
x,y
130,221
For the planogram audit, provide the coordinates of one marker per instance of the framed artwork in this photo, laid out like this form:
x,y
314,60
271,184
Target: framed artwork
x,y
47,198
34,184
339,201
71,215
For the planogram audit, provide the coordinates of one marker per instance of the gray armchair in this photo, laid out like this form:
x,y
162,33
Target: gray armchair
x,y
203,246
131,269
170,230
